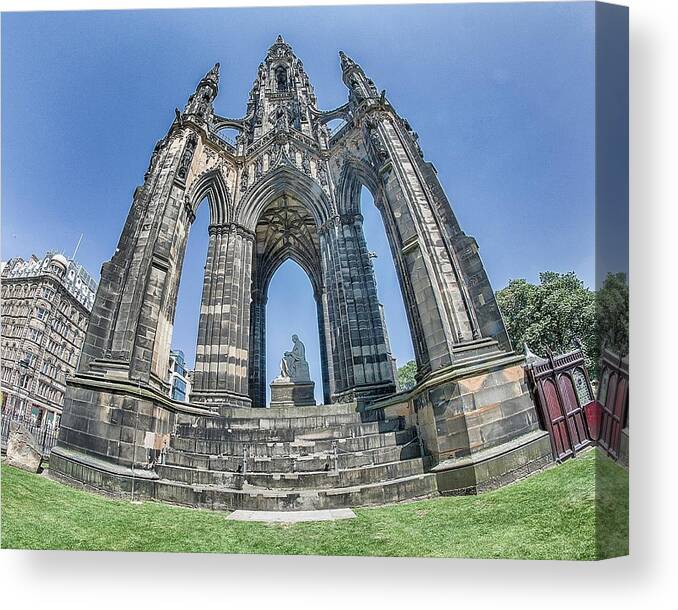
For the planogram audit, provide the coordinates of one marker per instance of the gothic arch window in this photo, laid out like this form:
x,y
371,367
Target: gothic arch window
x,y
604,384
582,387
281,79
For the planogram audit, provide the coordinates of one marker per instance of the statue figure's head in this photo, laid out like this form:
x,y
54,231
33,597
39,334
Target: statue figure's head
x,y
295,338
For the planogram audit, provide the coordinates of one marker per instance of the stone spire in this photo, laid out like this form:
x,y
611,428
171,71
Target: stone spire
x,y
281,95
212,78
361,88
346,62
200,102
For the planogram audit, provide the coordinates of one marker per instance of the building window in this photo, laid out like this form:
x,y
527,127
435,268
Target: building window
x,y
41,313
179,389
36,335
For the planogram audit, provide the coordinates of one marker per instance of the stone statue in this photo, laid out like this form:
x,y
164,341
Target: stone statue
x,y
293,365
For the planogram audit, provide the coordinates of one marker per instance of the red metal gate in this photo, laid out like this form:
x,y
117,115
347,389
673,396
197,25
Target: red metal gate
x,y
613,397
562,391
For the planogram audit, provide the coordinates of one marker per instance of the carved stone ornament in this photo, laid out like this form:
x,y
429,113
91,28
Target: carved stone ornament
x,y
187,156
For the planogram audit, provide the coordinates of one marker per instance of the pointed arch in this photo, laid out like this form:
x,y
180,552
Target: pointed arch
x,y
356,173
283,180
211,184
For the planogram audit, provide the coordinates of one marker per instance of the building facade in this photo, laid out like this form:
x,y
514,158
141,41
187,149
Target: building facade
x,y
179,377
46,304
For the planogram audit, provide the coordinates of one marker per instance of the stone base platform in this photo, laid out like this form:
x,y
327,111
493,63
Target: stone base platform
x,y
466,429
285,393
495,467
296,459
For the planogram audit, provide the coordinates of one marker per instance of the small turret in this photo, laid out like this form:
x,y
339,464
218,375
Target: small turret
x,y
200,103
361,88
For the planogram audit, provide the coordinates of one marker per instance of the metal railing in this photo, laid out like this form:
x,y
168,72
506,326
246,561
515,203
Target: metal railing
x,y
45,435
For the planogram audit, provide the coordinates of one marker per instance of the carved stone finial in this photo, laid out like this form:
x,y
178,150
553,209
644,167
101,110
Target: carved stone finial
x,y
212,77
346,61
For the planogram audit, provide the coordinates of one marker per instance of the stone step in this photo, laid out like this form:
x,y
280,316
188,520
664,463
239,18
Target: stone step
x,y
362,475
252,435
297,463
287,423
292,448
287,412
252,498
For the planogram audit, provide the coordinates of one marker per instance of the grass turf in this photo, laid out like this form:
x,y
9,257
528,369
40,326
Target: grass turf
x,y
551,515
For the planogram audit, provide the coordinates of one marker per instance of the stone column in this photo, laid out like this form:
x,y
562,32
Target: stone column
x,y
222,354
360,358
323,335
258,349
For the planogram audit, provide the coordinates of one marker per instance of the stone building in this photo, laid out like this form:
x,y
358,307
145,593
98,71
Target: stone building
x,y
288,187
46,305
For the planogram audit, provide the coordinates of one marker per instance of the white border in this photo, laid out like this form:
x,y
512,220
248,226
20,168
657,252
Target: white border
x,y
127,580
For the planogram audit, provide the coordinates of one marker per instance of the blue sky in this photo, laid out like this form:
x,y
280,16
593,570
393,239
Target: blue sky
x,y
501,95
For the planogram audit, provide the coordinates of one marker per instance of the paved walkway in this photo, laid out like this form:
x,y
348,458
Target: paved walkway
x,y
292,516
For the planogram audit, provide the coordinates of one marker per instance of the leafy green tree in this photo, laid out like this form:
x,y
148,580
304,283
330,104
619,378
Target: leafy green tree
x,y
406,374
551,315
612,313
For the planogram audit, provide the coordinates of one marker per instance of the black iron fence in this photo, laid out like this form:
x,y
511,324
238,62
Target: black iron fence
x,y
45,435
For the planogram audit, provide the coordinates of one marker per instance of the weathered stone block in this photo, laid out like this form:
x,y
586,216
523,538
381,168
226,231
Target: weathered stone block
x,y
22,448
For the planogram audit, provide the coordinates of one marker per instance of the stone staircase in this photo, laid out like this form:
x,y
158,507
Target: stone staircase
x,y
302,458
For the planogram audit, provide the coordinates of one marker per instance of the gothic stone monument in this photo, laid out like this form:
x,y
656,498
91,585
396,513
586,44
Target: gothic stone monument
x,y
288,188
293,387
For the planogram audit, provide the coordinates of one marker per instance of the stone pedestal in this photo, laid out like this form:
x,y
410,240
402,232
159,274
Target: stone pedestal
x,y
288,393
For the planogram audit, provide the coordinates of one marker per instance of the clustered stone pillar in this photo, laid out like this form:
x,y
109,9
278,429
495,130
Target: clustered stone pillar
x,y
355,340
258,349
222,354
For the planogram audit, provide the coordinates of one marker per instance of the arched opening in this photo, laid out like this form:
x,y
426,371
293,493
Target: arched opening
x,y
388,286
291,309
228,134
187,313
334,125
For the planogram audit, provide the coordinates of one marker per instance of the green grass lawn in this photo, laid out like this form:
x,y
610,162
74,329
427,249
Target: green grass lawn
x,y
551,515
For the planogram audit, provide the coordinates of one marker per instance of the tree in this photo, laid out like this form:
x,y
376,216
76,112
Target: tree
x,y
551,315
612,314
406,374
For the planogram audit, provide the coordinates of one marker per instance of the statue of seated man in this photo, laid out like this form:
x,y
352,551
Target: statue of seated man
x,y
293,364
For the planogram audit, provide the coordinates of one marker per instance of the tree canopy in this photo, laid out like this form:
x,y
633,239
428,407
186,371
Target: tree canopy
x,y
406,375
561,309
550,315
